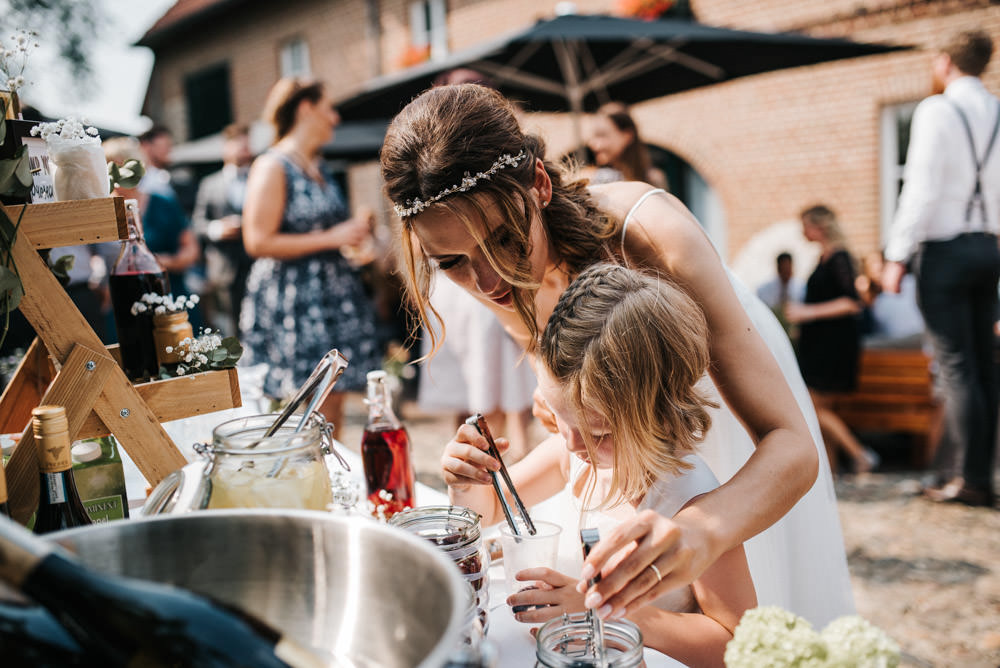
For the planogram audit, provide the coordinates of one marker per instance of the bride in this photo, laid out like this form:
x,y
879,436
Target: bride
x,y
479,202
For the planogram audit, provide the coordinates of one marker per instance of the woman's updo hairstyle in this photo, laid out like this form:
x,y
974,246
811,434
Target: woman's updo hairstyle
x,y
283,101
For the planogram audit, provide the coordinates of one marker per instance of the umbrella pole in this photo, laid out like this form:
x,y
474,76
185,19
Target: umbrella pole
x,y
574,92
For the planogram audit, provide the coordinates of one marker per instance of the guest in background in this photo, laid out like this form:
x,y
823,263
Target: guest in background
x,y
618,150
945,231
829,342
218,222
784,287
157,145
303,296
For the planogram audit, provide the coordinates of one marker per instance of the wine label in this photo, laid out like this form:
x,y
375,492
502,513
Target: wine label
x,y
53,454
55,487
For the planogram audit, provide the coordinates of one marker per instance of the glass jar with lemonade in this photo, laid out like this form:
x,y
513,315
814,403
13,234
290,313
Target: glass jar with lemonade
x,y
284,470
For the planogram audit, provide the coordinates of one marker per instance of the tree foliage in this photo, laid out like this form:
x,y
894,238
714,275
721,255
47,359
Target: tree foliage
x,y
70,26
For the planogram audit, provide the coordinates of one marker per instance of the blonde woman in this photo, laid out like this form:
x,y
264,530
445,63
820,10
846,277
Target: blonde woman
x,y
303,296
829,335
619,364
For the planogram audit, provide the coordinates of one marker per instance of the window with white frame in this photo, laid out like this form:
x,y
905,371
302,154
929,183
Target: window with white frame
x,y
295,58
429,26
894,138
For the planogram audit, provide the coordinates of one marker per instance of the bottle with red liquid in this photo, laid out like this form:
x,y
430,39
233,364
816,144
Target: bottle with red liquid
x,y
135,273
385,452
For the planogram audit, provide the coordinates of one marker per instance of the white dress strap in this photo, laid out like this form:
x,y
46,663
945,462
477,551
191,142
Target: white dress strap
x,y
636,206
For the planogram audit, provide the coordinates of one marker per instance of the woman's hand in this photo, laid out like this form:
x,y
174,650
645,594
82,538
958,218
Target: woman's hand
x,y
351,232
797,313
466,460
554,595
680,551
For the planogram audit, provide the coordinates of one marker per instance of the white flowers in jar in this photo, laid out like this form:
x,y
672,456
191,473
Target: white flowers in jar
x,y
79,168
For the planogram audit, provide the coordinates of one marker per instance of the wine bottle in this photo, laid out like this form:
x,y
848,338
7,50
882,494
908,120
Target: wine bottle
x,y
136,272
30,637
121,621
385,453
4,507
59,504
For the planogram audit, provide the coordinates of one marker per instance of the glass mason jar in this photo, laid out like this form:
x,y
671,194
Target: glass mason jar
x,y
567,641
284,470
456,532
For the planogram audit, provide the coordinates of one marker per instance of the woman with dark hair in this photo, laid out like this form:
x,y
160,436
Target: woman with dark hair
x,y
479,202
618,149
303,297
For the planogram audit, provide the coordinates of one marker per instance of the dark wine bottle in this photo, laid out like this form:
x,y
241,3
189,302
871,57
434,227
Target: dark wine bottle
x,y
136,272
125,622
59,504
385,453
30,637
4,507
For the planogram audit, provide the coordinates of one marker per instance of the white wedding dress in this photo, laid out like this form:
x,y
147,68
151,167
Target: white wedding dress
x,y
798,563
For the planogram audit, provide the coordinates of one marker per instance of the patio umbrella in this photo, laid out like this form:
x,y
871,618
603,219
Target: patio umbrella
x,y
577,63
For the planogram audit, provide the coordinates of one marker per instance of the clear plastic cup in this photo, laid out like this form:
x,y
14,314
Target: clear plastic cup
x,y
528,551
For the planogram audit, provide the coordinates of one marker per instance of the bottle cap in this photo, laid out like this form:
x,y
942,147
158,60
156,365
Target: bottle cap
x,y
51,431
86,451
377,375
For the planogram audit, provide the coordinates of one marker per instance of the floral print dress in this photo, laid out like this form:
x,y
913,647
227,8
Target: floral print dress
x,y
295,311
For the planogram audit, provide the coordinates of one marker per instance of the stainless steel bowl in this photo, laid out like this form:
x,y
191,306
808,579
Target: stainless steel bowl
x,y
367,594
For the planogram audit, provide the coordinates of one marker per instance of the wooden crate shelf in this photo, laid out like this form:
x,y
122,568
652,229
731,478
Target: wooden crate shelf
x,y
85,376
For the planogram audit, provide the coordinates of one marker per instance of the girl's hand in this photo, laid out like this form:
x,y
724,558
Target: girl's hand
x,y
466,460
554,595
680,551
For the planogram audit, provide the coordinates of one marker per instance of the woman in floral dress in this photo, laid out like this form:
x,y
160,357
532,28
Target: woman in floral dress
x,y
303,297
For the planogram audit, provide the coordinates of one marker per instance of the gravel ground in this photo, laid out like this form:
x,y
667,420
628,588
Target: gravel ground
x,y
926,573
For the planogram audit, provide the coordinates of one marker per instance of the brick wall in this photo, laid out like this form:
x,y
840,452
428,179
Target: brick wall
x,y
769,144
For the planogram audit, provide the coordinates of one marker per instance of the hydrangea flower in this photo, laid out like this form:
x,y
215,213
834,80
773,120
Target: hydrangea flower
x,y
773,637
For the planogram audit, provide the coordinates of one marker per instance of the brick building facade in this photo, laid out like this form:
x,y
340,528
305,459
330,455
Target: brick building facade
x,y
768,145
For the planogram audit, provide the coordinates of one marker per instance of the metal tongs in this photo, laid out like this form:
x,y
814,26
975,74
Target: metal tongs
x,y
590,538
479,422
319,385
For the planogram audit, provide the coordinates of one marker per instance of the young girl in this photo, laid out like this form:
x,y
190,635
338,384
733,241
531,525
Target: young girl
x,y
620,362
480,204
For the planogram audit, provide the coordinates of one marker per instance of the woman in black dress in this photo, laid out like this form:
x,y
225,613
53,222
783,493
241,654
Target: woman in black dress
x,y
829,336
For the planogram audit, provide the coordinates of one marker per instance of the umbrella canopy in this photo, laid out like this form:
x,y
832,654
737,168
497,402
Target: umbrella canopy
x,y
577,63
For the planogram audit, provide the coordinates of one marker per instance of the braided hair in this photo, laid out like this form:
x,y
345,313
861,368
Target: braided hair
x,y
632,348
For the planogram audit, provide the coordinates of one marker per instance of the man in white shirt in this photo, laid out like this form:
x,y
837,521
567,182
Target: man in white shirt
x,y
945,231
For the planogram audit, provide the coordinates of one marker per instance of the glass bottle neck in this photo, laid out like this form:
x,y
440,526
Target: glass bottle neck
x,y
380,405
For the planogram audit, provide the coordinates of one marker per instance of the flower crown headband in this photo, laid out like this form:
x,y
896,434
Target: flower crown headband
x,y
414,206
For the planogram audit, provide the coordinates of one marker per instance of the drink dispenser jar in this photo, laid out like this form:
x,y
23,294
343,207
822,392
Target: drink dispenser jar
x,y
568,642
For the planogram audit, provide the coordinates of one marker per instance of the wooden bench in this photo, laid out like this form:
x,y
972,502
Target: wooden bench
x,y
895,394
